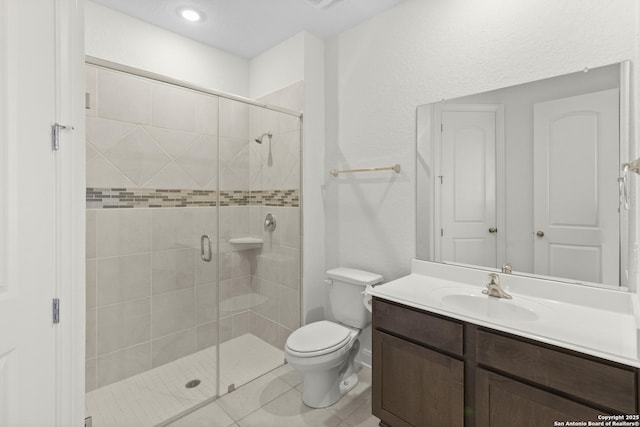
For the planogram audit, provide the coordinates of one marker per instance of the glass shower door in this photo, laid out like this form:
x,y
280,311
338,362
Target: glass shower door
x,y
259,259
189,296
152,329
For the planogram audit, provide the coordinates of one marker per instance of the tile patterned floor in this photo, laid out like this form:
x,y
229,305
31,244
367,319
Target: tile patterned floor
x,y
157,395
275,400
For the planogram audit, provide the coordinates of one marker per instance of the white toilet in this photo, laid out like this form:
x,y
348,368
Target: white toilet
x,y
324,351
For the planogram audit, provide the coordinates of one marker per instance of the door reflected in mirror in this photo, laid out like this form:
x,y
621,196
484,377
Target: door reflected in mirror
x,y
528,176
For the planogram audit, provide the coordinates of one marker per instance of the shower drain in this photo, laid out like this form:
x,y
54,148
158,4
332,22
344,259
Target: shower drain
x,y
192,384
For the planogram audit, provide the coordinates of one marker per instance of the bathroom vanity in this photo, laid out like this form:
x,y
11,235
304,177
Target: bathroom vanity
x,y
474,360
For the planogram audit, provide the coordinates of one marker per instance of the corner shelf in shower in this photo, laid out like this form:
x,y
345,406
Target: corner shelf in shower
x,y
242,243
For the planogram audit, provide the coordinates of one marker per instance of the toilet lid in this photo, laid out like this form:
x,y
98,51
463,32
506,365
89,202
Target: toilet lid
x,y
318,338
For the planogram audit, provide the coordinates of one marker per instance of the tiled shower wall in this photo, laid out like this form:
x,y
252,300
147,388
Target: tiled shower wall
x,y
152,171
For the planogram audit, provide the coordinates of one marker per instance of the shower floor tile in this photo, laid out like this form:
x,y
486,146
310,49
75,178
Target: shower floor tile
x,y
157,395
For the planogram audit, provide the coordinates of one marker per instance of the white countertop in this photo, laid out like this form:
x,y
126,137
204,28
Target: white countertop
x,y
596,321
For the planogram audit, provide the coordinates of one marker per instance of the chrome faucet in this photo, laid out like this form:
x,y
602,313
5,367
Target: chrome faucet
x,y
494,289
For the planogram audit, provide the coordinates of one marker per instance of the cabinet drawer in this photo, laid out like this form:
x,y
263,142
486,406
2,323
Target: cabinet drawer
x,y
418,326
603,384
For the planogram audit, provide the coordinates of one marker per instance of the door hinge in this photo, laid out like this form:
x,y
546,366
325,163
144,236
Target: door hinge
x,y
441,128
55,135
440,177
441,232
56,310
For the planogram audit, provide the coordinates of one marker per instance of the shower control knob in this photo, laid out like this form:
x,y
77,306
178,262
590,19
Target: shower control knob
x,y
540,233
269,222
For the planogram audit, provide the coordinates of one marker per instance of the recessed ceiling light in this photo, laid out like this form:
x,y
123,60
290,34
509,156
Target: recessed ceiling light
x,y
191,15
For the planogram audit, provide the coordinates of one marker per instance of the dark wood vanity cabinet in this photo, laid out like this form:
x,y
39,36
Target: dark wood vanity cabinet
x,y
430,370
414,384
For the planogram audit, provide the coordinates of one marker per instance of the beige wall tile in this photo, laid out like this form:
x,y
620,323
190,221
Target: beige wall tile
x,y
207,114
138,156
90,236
241,262
172,270
173,142
123,278
91,375
234,119
268,305
172,177
206,272
173,228
225,328
173,312
240,324
173,107
283,334
104,134
290,227
91,284
123,232
290,268
172,347
122,364
289,301
207,335
226,298
123,325
135,107
226,263
206,304
101,173
267,331
241,294
91,334
269,263
200,159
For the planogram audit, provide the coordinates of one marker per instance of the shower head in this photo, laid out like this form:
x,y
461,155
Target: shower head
x,y
261,137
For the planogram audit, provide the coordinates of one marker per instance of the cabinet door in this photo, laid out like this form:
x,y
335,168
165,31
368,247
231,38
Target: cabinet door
x,y
505,402
414,386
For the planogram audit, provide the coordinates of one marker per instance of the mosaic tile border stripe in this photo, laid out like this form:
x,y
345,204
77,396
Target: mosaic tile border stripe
x,y
118,198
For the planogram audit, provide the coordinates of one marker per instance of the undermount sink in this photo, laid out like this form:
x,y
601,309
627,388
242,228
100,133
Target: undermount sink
x,y
475,303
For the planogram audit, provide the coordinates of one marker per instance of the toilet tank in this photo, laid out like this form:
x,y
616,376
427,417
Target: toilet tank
x,y
346,287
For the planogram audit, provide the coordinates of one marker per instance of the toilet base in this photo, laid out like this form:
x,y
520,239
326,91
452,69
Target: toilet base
x,y
348,384
328,387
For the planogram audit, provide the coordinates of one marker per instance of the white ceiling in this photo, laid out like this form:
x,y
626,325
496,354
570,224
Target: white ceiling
x,y
249,27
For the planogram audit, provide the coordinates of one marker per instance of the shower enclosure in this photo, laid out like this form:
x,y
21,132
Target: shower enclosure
x,y
191,291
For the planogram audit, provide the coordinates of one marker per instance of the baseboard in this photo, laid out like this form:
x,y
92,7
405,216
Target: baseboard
x,y
364,357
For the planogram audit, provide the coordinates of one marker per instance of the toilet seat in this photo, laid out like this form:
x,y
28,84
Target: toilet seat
x,y
318,338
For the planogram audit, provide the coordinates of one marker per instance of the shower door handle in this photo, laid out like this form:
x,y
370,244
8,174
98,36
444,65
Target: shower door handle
x,y
205,253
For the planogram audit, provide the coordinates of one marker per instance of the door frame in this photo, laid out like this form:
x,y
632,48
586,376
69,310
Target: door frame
x,y
71,212
628,270
436,153
65,184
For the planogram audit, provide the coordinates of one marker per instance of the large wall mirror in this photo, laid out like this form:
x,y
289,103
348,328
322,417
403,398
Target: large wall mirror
x,y
527,178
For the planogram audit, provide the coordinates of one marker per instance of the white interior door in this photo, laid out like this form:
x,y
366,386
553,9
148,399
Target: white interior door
x,y
576,163
468,188
36,385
